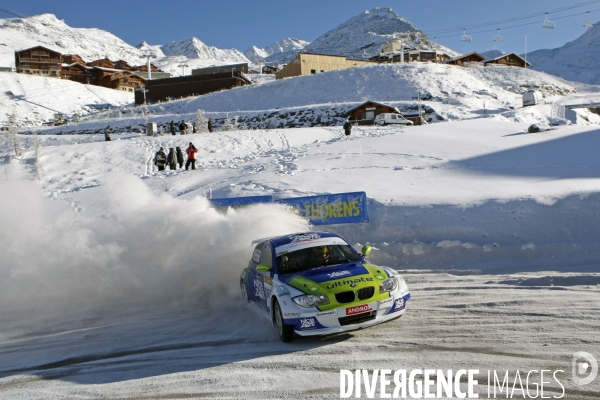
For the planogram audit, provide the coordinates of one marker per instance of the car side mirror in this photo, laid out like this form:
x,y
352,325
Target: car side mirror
x,y
366,250
263,268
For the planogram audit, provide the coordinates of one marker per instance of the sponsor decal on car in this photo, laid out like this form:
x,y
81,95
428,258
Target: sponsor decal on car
x,y
358,309
307,323
268,280
399,304
351,282
291,314
259,290
313,289
338,274
381,277
322,314
388,300
310,236
256,255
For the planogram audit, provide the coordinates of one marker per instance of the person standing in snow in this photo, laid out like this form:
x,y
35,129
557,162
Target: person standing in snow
x,y
179,156
347,127
172,159
182,127
191,153
172,127
107,132
160,159
210,127
194,130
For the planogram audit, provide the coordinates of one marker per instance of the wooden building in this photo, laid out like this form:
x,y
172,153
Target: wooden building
x,y
144,68
72,59
243,67
190,85
104,63
269,69
122,65
126,81
77,72
365,113
40,61
412,55
472,57
510,59
308,64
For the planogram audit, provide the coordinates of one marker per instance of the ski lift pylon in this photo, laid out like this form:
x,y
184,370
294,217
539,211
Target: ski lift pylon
x,y
465,37
548,24
587,22
365,55
498,37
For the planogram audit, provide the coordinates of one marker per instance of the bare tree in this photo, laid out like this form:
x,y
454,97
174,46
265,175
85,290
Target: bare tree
x,y
37,164
12,136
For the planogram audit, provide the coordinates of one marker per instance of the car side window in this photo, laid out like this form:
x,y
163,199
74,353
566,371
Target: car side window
x,y
266,257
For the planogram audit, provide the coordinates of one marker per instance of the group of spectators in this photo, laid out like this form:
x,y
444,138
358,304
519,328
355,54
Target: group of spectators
x,y
183,127
175,158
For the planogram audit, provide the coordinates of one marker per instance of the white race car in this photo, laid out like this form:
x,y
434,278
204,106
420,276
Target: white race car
x,y
315,283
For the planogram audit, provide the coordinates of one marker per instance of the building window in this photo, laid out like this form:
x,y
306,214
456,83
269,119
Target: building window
x,y
370,115
322,71
313,71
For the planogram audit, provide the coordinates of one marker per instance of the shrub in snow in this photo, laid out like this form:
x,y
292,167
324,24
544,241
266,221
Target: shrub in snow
x,y
227,125
12,136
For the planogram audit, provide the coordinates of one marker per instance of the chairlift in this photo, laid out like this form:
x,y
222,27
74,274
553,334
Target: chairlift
x,y
365,55
498,37
587,22
548,24
465,37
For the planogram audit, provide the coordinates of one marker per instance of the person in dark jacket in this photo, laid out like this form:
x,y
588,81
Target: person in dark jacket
x,y
160,159
191,153
347,128
182,127
179,156
107,132
194,130
172,159
210,127
172,127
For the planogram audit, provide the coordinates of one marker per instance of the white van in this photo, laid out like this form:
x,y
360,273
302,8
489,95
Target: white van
x,y
531,98
390,118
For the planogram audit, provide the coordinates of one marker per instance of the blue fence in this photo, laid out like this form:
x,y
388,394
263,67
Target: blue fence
x,y
341,208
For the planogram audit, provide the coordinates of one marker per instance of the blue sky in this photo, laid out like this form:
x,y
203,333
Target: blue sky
x,y
242,23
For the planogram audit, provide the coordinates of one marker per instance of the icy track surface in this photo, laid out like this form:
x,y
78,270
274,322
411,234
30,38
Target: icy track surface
x,y
120,281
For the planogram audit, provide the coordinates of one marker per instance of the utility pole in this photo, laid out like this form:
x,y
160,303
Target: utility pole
x,y
149,55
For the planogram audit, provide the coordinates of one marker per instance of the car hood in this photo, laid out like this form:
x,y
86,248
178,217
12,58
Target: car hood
x,y
339,278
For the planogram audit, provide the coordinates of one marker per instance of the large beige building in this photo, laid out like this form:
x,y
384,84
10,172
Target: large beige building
x,y
307,64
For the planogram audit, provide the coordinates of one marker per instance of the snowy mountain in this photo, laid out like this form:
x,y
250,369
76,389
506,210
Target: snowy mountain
x,y
195,48
278,53
368,31
576,61
47,30
491,54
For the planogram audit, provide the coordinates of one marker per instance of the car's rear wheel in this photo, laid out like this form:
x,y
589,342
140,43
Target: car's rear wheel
x,y
286,332
244,292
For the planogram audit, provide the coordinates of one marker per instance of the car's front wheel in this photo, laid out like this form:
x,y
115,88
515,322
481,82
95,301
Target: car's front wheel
x,y
286,332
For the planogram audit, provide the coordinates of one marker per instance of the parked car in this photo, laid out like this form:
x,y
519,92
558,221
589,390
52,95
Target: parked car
x,y
531,98
315,283
391,118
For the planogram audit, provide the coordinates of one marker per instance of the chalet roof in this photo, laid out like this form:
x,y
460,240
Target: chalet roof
x,y
373,102
76,64
39,47
106,69
505,55
473,53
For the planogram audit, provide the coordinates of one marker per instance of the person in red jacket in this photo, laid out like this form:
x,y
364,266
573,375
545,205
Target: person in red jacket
x,y
191,153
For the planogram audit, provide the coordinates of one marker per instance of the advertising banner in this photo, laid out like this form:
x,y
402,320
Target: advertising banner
x,y
341,208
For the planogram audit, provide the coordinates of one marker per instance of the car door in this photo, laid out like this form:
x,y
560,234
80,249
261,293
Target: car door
x,y
266,277
252,274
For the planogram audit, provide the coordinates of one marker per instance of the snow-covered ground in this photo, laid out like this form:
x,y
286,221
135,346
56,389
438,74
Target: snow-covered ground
x,y
120,280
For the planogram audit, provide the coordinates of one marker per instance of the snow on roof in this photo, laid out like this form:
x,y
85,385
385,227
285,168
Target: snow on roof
x,y
374,102
505,55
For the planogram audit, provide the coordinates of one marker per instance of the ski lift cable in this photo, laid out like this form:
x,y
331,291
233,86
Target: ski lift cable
x,y
16,14
519,25
587,22
514,19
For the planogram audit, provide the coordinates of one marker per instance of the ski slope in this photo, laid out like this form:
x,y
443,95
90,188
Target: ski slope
x,y
121,281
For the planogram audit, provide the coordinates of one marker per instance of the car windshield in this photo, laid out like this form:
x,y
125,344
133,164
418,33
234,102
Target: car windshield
x,y
315,257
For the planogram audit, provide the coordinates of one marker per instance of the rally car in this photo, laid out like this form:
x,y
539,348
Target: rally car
x,y
315,283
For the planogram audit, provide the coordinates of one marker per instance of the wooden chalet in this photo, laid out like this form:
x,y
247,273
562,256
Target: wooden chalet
x,y
104,63
269,69
126,81
144,68
365,113
189,85
40,61
472,57
510,59
77,72
72,59
122,65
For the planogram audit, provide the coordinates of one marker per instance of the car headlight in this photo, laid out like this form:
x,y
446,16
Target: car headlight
x,y
311,300
388,285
